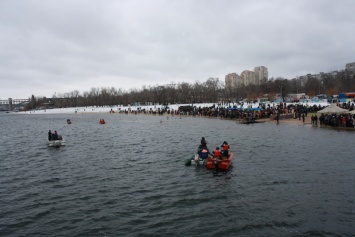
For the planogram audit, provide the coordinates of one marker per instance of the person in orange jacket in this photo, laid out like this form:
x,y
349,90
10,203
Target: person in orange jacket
x,y
225,149
217,153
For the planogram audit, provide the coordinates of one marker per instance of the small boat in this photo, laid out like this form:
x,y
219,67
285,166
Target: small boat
x,y
56,143
195,160
68,121
220,164
249,121
102,121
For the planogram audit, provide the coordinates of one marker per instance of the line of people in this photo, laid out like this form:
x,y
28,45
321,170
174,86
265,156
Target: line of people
x,y
218,153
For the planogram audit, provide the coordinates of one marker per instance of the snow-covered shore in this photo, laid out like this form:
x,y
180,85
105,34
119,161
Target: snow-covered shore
x,y
107,109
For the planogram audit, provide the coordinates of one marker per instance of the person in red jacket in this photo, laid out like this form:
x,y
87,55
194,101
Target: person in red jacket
x,y
225,149
217,153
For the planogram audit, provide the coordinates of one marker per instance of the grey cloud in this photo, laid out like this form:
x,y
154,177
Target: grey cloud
x,y
61,46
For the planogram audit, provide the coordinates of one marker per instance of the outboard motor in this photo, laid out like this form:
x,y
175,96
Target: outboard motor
x,y
197,160
215,163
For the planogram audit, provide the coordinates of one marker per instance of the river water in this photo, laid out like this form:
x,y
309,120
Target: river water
x,y
128,178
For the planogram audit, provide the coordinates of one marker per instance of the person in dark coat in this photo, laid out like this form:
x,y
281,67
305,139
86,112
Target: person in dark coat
x,y
203,141
49,135
55,135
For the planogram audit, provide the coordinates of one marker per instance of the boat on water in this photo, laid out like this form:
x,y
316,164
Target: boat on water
x,y
68,121
102,121
55,139
249,121
57,143
220,164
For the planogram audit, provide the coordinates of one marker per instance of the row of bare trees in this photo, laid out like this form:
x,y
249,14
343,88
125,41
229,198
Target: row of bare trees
x,y
210,91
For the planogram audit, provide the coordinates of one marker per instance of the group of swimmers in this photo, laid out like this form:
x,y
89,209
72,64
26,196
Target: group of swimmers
x,y
218,153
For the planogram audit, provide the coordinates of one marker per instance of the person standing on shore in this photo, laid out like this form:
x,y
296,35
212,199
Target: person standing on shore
x,y
277,116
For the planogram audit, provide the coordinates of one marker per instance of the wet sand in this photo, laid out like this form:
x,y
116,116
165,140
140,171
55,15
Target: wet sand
x,y
307,120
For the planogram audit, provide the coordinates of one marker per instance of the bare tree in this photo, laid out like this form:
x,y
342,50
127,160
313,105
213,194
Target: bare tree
x,y
282,86
184,93
312,86
211,88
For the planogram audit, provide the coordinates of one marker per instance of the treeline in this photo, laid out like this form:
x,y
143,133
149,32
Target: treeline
x,y
210,91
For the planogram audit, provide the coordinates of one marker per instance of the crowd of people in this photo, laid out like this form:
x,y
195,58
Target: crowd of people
x,y
337,120
232,112
263,111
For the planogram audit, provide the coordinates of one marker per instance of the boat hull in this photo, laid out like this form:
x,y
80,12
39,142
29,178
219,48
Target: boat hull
x,y
56,143
223,164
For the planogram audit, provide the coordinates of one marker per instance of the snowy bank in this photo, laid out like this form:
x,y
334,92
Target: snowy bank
x,y
107,109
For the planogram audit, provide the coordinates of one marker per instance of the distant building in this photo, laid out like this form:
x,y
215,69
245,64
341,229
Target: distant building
x,y
350,67
319,76
14,101
296,97
232,80
247,77
261,75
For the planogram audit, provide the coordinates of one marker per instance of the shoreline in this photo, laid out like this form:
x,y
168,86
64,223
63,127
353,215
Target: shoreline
x,y
284,119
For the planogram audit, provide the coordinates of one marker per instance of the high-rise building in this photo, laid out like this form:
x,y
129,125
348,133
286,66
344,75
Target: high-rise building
x,y
350,67
247,77
261,75
257,77
232,80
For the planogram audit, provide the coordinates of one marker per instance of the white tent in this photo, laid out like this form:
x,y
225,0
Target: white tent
x,y
332,109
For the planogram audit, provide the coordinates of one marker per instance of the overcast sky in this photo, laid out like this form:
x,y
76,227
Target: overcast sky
x,y
59,46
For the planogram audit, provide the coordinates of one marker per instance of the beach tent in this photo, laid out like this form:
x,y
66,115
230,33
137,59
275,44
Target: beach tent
x,y
332,109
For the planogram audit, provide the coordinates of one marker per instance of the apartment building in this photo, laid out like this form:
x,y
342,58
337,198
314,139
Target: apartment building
x,y
247,77
232,80
261,75
350,67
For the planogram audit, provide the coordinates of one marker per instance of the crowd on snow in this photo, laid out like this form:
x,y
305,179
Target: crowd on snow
x,y
299,111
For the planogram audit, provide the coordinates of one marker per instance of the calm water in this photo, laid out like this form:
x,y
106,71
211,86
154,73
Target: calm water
x,y
127,178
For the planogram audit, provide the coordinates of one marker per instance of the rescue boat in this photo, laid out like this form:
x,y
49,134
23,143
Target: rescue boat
x,y
220,164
